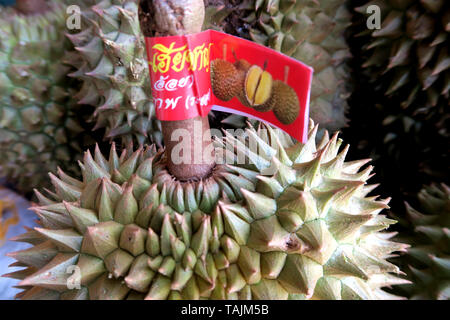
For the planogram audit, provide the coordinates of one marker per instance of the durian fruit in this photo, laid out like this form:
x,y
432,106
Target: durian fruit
x,y
408,57
292,222
405,104
224,79
407,66
40,125
111,61
429,255
312,32
284,102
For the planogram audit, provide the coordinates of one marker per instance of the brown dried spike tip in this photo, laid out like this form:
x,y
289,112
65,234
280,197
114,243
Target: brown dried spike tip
x,y
171,18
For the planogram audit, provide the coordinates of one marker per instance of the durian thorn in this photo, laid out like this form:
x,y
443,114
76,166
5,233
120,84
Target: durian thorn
x,y
234,54
35,209
18,238
386,201
17,264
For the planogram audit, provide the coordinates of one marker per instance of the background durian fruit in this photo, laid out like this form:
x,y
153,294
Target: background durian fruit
x,y
407,62
428,259
403,86
41,127
408,56
294,222
111,61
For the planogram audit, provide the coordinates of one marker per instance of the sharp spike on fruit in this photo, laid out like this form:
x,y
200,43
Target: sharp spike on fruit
x,y
82,218
64,190
127,207
57,268
68,239
260,206
37,256
101,239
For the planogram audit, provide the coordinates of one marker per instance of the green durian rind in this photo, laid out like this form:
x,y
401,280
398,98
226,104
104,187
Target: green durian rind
x,y
428,257
293,222
38,128
112,64
407,57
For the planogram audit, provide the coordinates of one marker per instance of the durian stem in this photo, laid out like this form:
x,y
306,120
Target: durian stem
x,y
171,18
30,7
234,55
286,74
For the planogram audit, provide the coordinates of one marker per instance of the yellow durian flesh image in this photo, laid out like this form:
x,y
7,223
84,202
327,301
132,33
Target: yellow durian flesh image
x,y
258,86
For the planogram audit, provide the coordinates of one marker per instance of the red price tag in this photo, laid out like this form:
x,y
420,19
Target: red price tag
x,y
212,70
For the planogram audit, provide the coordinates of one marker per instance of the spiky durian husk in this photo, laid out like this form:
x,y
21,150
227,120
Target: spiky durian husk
x,y
306,230
408,56
39,127
312,32
403,129
429,255
407,62
112,63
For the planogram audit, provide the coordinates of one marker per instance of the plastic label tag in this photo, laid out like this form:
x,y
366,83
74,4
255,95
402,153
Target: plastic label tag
x,y
193,74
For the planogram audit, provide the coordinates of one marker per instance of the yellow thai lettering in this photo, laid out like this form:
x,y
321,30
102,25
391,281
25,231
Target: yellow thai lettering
x,y
177,59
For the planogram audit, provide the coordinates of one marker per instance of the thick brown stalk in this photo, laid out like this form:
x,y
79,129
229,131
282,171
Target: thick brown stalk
x,y
30,7
171,18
